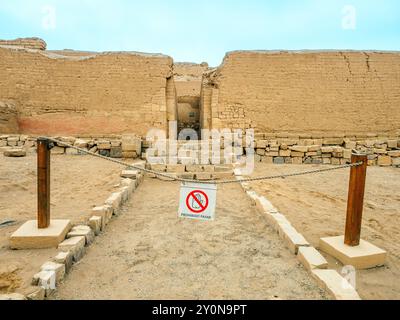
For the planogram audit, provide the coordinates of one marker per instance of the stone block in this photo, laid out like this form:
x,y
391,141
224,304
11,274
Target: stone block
x,y
12,296
279,160
159,167
264,206
284,153
82,230
29,236
81,143
392,143
396,161
300,149
57,150
364,256
296,154
114,201
335,284
268,160
14,152
130,174
95,222
297,160
384,161
394,153
65,258
292,238
46,279
203,176
208,168
104,153
57,268
276,220
116,152
76,245
310,258
333,141
36,294
103,145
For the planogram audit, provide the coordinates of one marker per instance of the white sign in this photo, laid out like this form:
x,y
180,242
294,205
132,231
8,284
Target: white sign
x,y
197,201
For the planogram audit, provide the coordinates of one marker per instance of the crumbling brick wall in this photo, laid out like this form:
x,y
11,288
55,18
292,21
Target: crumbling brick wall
x,y
326,92
8,117
28,43
96,93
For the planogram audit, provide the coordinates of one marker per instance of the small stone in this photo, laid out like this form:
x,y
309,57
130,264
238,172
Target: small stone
x,y
80,143
103,145
82,230
293,239
57,150
65,258
311,258
38,293
302,149
14,152
46,280
114,200
71,151
116,152
338,286
284,153
131,174
12,296
392,143
101,211
58,268
75,245
384,161
95,222
279,160
394,153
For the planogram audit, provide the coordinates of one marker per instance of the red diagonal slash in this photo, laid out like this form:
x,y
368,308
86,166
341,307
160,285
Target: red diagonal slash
x,y
193,194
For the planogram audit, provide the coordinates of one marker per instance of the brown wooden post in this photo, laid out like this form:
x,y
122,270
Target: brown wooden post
x,y
355,200
43,187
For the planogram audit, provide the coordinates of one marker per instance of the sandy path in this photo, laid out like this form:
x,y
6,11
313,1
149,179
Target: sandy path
x,y
316,206
77,184
148,253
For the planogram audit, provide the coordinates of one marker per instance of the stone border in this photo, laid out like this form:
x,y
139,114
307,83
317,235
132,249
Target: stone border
x,y
308,256
73,248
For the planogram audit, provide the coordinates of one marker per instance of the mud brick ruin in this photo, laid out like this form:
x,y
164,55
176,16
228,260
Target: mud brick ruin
x,y
305,106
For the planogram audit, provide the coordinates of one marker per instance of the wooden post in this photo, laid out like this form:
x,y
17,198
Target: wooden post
x,y
43,187
355,200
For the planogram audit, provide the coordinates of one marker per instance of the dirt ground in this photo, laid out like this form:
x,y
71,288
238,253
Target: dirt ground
x,y
149,253
77,184
316,206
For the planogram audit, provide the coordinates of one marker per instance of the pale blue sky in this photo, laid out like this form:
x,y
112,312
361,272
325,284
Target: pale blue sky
x,y
199,31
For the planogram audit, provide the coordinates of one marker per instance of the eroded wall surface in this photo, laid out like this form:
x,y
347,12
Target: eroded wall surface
x,y
327,92
119,92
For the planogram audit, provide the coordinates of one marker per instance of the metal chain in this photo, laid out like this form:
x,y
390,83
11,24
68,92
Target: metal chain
x,y
173,178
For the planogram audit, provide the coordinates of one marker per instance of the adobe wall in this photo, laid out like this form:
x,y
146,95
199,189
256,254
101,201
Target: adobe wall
x,y
96,93
314,92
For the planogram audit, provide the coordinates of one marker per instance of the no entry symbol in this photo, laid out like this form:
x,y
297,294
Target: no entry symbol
x,y
197,201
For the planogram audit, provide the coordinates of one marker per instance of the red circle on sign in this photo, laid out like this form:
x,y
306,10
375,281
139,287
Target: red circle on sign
x,y
193,195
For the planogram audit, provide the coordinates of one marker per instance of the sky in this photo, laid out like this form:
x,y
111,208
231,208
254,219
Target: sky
x,y
197,31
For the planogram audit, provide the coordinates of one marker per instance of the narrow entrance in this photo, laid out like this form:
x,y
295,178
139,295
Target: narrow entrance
x,y
189,115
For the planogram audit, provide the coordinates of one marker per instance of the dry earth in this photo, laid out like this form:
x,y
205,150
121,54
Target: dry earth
x,y
78,183
316,206
148,253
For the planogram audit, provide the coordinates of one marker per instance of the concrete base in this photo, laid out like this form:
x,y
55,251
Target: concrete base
x,y
364,256
28,236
